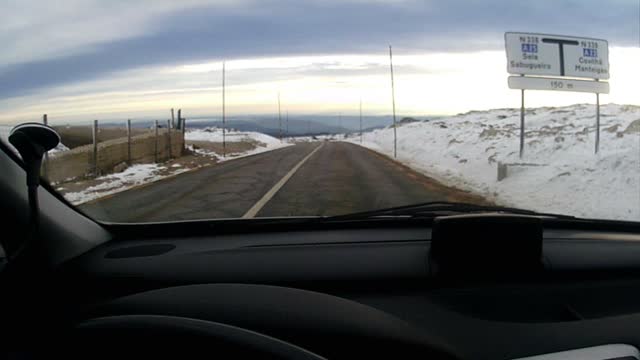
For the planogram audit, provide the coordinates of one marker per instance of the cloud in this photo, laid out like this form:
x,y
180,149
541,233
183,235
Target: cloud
x,y
32,30
425,84
49,46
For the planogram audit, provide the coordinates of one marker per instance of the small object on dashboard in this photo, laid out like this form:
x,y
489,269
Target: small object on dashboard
x,y
486,247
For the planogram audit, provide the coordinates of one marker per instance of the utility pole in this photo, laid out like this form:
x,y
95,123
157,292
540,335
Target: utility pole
x,y
521,123
224,115
597,122
360,121
279,118
287,133
393,99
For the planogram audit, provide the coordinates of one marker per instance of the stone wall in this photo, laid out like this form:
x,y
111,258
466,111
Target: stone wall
x,y
79,162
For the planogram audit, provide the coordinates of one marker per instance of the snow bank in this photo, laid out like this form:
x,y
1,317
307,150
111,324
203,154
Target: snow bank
x,y
464,151
263,142
134,175
58,149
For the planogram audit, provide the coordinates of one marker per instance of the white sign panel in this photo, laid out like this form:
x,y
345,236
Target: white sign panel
x,y
541,54
541,83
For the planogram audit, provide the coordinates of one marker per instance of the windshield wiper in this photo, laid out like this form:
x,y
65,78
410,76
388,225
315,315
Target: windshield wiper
x,y
441,208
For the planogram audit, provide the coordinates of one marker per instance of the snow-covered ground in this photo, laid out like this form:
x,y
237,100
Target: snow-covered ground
x,y
134,175
137,175
464,151
261,141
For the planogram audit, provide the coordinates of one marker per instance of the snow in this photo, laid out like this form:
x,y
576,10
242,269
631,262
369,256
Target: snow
x,y
262,141
134,175
137,175
214,134
568,178
58,149
219,158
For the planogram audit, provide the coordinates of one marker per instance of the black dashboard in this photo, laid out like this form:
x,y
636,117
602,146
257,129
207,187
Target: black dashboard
x,y
588,294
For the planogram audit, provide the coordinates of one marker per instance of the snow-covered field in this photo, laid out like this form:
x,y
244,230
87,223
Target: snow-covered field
x,y
464,151
263,142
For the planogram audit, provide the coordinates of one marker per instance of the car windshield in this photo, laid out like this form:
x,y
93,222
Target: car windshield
x,y
188,110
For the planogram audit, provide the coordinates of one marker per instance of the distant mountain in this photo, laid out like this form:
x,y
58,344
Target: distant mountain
x,y
298,125
271,127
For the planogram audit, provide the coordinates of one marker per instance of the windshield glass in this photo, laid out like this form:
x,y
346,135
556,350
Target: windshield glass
x,y
184,110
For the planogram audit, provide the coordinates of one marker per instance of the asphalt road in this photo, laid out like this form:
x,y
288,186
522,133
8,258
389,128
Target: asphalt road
x,y
321,178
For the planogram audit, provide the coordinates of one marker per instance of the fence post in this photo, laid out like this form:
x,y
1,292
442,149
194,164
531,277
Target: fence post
x,y
169,137
94,133
155,152
502,171
45,167
129,141
183,124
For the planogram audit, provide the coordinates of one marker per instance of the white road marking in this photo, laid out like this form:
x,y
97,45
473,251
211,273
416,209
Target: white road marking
x,y
265,199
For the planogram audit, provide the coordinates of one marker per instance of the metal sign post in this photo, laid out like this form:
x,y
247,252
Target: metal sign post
x,y
555,61
597,122
521,123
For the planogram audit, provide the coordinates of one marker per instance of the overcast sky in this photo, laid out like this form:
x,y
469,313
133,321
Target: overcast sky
x,y
86,59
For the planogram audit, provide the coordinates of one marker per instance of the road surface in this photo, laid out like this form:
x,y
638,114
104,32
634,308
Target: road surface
x,y
306,179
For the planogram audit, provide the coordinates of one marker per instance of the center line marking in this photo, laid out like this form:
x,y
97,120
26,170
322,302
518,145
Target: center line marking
x,y
265,199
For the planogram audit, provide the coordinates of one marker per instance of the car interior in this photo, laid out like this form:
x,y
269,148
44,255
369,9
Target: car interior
x,y
485,285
